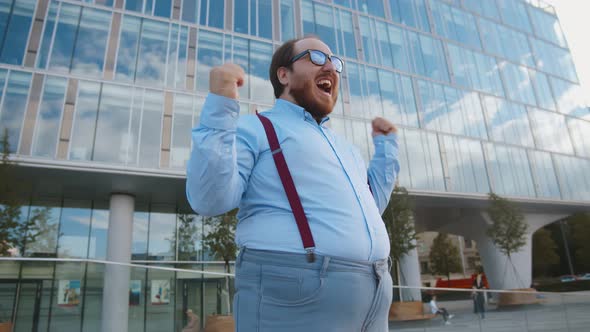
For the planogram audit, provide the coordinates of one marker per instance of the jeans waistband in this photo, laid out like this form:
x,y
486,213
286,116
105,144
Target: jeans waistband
x,y
321,262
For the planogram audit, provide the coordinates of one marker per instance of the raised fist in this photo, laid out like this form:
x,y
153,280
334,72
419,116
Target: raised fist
x,y
382,127
226,79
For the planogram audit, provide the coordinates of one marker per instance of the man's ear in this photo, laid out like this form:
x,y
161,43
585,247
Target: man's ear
x,y
283,75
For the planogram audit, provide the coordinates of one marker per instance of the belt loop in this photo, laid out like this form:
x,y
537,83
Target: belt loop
x,y
325,266
239,257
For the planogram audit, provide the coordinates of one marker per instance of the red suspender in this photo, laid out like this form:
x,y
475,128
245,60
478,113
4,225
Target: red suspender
x,y
289,186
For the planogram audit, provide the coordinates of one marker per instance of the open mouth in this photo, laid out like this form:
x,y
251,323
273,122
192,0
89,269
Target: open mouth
x,y
325,85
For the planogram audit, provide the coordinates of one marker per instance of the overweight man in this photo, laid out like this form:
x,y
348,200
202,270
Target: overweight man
x,y
313,247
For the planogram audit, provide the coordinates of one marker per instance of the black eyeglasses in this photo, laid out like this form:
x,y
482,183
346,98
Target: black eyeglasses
x,y
318,58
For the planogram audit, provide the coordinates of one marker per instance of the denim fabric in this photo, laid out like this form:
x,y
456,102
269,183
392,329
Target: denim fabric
x,y
282,292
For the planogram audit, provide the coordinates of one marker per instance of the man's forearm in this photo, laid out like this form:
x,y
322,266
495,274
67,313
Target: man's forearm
x,y
212,176
383,169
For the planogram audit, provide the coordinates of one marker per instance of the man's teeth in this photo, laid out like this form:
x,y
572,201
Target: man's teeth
x,y
325,83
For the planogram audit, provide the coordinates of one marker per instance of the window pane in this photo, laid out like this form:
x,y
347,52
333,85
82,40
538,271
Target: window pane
x,y
49,118
287,22
397,94
573,176
182,57
265,19
162,236
547,26
65,37
544,174
91,42
372,7
151,67
16,33
140,234
151,129
190,246
518,83
189,11
112,124
550,131
571,98
44,230
508,122
209,55
542,89
475,70
181,131
451,111
579,130
241,15
424,166
67,287
98,234
134,5
428,56
554,60
509,171
483,7
505,42
129,40
455,24
467,172
216,13
410,12
318,19
50,22
163,8
13,106
84,125
260,57
74,230
514,13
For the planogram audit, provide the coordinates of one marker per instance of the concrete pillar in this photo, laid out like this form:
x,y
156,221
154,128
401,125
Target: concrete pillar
x,y
115,297
410,275
502,273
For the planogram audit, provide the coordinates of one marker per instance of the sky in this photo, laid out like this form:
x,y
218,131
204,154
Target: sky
x,y
575,23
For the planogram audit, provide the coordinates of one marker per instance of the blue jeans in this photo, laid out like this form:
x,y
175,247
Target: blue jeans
x,y
282,292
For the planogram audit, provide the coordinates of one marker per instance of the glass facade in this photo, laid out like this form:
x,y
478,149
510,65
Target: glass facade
x,y
485,94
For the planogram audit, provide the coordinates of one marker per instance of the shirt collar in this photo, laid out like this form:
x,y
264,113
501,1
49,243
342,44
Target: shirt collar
x,y
289,107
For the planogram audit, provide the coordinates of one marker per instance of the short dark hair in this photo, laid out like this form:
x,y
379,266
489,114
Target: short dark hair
x,y
282,58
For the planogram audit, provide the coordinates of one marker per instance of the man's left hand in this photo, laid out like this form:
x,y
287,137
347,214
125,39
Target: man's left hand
x,y
383,127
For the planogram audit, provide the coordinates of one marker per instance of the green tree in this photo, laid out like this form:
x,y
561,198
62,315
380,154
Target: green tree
x,y
444,256
508,229
544,253
15,231
580,225
399,222
220,241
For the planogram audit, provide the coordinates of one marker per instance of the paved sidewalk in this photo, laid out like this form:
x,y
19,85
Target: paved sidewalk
x,y
557,314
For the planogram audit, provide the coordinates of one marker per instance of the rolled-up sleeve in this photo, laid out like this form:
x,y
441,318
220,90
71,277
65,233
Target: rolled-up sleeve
x,y
383,169
217,173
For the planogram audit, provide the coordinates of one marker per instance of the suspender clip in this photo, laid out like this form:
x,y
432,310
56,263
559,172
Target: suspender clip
x,y
310,254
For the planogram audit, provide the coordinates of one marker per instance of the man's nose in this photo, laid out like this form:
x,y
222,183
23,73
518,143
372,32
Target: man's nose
x,y
329,66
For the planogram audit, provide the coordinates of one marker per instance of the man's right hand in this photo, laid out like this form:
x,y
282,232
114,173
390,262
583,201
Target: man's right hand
x,y
226,79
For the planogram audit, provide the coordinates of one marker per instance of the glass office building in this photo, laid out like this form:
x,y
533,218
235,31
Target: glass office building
x,y
99,96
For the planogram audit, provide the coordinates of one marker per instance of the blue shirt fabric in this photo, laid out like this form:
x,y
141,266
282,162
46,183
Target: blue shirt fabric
x,y
231,166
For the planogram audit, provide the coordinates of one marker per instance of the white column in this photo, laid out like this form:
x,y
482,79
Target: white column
x,y
115,297
501,272
410,275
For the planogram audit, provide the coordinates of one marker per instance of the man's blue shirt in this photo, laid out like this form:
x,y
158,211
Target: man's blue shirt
x,y
231,166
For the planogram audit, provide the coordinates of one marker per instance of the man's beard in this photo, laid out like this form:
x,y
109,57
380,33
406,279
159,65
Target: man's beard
x,y
303,97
